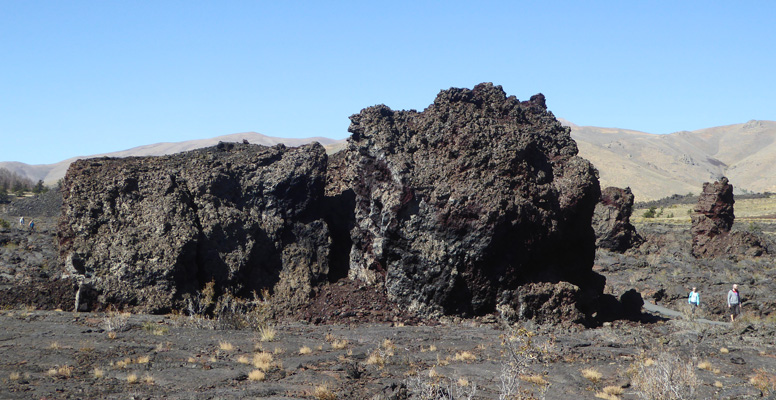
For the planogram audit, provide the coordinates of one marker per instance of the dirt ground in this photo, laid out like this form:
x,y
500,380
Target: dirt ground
x,y
57,354
350,342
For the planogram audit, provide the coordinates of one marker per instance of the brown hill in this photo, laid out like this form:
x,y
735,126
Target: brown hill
x,y
656,166
51,173
653,166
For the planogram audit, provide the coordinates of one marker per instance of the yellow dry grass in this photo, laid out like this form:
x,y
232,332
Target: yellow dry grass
x,y
465,356
535,379
267,333
591,374
262,361
256,375
323,392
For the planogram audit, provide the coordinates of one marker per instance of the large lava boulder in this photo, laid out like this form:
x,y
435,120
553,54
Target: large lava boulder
x,y
460,205
611,220
712,224
144,231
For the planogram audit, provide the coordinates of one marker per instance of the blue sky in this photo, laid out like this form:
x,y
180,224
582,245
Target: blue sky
x,y
88,77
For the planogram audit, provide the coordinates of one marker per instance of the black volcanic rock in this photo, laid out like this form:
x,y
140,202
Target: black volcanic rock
x,y
458,206
611,220
144,231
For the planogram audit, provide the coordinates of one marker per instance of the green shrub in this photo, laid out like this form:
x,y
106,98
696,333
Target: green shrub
x,y
650,213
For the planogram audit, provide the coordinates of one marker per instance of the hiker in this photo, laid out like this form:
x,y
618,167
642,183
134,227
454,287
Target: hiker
x,y
734,303
32,225
694,299
21,222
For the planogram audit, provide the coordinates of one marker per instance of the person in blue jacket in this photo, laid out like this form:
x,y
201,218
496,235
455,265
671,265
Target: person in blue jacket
x,y
694,299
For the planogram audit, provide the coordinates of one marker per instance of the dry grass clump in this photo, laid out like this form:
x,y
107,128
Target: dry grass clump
x,y
123,363
262,361
465,356
610,393
667,378
323,392
143,360
132,378
225,346
339,344
724,350
267,333
764,381
389,347
243,360
591,374
614,390
98,373
148,379
55,346
705,365
64,371
376,358
535,379
256,375
305,350
116,322
718,384
14,376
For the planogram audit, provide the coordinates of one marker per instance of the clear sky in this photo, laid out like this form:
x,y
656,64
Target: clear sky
x,y
88,77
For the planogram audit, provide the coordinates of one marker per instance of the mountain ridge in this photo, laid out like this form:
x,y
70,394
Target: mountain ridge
x,y
51,173
652,165
656,166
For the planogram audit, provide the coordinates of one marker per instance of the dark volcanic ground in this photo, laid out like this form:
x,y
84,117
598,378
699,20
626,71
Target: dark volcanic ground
x,y
354,342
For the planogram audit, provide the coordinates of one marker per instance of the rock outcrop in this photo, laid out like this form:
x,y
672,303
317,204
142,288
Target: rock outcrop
x,y
459,206
611,220
145,231
712,224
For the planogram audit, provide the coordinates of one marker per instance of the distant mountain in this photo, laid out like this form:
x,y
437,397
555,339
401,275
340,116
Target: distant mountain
x,y
656,166
51,173
653,166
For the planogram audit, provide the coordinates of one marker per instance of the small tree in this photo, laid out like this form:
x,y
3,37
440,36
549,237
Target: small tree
x,y
39,187
650,213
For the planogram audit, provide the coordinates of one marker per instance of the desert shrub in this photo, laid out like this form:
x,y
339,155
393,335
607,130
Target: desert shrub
x,y
764,381
4,223
323,392
228,311
650,213
667,377
754,227
440,388
519,353
116,322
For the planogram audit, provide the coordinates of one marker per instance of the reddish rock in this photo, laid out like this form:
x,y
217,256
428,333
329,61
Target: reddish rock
x,y
611,220
712,224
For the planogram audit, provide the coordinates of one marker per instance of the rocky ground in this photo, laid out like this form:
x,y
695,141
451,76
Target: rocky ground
x,y
350,342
